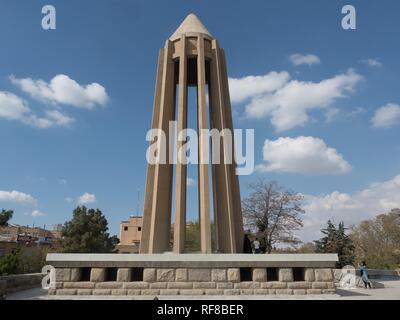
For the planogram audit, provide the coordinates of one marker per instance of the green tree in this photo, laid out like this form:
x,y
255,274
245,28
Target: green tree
x,y
272,213
9,264
377,241
336,241
87,233
5,216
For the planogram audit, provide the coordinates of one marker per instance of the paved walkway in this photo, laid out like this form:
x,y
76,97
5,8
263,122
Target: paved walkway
x,y
390,292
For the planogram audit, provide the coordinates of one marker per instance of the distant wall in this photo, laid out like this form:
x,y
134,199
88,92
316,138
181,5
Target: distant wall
x,y
19,282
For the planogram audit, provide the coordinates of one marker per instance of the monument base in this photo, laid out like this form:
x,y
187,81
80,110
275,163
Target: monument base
x,y
192,274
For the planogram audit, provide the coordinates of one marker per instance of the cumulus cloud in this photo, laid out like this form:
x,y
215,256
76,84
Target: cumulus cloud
x,y
190,182
17,197
386,116
351,208
308,59
372,62
241,89
305,155
86,198
63,90
13,107
290,105
37,213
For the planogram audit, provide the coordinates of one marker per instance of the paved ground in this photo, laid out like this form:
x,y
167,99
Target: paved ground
x,y
390,292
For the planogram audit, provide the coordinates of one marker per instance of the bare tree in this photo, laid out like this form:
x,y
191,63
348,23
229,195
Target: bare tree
x,y
273,213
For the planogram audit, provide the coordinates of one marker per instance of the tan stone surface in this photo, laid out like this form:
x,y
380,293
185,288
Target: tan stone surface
x,y
234,274
66,292
75,274
97,274
159,285
274,285
150,292
79,285
149,275
181,275
165,275
218,275
259,274
197,275
84,292
247,285
119,292
124,275
323,275
180,285
309,275
299,285
135,285
63,274
204,285
109,285
224,285
285,274
191,292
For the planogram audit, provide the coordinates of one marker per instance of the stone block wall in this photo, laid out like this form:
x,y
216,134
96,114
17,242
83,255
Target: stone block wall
x,y
192,281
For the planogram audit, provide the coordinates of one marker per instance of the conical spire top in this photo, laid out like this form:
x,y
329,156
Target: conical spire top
x,y
191,24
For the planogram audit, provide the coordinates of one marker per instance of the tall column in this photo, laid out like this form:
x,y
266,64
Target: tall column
x,y
181,170
225,213
237,205
162,193
204,193
148,200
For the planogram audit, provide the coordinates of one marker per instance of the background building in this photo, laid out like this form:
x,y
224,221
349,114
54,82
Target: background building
x,y
130,234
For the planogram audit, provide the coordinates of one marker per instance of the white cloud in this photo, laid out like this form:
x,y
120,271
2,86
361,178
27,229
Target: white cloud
x,y
386,116
309,59
17,197
86,198
190,182
351,208
290,105
63,90
13,107
251,86
69,199
37,213
372,62
62,181
305,155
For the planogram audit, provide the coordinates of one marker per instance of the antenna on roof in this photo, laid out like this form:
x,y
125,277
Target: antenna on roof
x,y
138,205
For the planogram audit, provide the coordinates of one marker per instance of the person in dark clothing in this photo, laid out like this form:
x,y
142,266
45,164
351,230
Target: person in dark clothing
x,y
364,275
247,244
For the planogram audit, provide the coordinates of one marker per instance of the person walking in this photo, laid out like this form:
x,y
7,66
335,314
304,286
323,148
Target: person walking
x,y
247,244
364,275
256,246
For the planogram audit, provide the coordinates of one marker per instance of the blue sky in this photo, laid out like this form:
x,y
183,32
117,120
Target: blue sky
x,y
96,143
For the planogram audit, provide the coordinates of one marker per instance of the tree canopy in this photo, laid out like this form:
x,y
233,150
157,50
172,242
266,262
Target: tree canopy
x,y
273,213
87,233
336,240
377,241
5,216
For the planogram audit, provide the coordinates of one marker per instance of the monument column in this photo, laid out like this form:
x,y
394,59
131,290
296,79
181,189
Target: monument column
x,y
181,170
162,188
204,193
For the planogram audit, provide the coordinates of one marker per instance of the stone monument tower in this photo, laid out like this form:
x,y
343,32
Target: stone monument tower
x,y
192,57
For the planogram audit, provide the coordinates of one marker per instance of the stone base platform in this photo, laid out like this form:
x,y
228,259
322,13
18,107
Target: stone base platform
x,y
192,274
